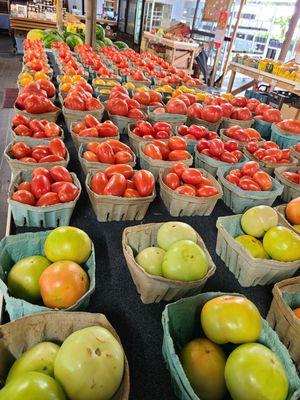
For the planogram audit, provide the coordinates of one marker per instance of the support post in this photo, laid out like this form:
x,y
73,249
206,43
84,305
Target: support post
x,y
59,15
290,32
91,20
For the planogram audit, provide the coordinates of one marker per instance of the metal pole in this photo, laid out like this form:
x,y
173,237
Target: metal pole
x,y
195,14
290,32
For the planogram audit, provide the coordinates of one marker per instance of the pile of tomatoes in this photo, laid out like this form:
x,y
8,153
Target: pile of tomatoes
x,y
160,130
174,149
189,181
250,177
137,75
35,58
70,65
47,188
80,98
122,181
243,135
292,176
210,113
38,129
92,127
148,98
109,152
269,152
34,98
196,132
227,152
51,152
119,103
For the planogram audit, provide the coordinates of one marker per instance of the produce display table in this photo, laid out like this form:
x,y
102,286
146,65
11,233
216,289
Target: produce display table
x,y
138,325
261,77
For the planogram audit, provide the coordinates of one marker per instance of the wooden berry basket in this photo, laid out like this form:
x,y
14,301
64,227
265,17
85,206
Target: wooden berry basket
x,y
180,205
291,190
286,294
22,334
155,166
113,208
79,140
156,288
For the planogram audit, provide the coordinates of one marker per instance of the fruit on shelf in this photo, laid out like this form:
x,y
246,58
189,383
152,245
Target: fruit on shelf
x,y
243,135
226,152
160,130
92,127
34,128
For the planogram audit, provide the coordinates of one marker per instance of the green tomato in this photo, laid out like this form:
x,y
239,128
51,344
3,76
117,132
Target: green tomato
x,y
150,259
39,358
32,386
253,245
257,220
172,232
282,244
184,261
253,372
23,278
231,319
68,243
90,364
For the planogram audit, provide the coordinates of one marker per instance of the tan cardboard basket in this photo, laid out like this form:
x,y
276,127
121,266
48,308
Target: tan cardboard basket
x,y
50,116
156,288
282,218
23,333
296,154
155,166
281,317
113,208
226,138
89,166
180,205
228,122
122,122
78,116
211,126
79,140
135,140
291,190
31,141
19,166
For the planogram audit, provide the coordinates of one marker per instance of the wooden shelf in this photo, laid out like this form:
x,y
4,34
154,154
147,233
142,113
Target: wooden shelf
x,y
26,24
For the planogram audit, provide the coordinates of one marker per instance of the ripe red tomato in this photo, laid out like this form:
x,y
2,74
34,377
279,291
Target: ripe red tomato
x,y
107,130
78,127
212,113
238,154
99,182
117,107
155,96
90,121
259,154
253,134
60,174
116,145
89,132
40,153
263,180
58,148
163,147
123,157
250,168
227,109
195,110
186,190
36,125
135,113
24,196
142,98
172,180
178,155
259,110
123,169
40,185
20,119
205,182
56,186
152,151
176,106
247,183
90,156
286,154
92,146
271,115
130,184
145,128
216,147
68,192
162,126
179,168
239,101
241,114
42,171
228,157
231,146
252,104
252,147
48,199
25,185
105,153
73,102
277,153
269,145
290,176
207,191
20,150
116,185
192,176
184,98
92,104
144,182
232,179
162,135
198,131
177,143
51,129
129,193
23,130
290,125
202,144
131,103
269,159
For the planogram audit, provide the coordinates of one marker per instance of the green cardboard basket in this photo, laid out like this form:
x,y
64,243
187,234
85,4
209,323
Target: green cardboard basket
x,y
263,127
13,249
285,140
180,321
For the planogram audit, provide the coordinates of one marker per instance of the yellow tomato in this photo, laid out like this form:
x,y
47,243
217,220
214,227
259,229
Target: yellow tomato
x,y
40,75
105,91
200,96
77,78
168,88
26,75
66,79
24,81
66,86
129,85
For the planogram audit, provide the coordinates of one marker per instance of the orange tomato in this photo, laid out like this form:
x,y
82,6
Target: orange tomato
x,y
297,312
66,86
292,211
62,284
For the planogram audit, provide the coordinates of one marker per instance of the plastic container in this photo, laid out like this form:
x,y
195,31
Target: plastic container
x,y
89,166
78,116
286,297
291,190
180,323
180,205
282,218
211,126
19,166
50,116
22,334
79,140
156,288
113,208
239,200
211,165
285,140
228,122
263,127
31,141
13,249
41,217
155,166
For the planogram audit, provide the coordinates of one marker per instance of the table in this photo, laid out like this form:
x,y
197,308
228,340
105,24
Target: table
x,y
260,77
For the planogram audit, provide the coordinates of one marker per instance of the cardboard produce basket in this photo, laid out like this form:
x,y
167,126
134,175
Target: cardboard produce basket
x,y
228,122
31,141
88,166
172,119
19,166
155,166
114,208
286,297
79,140
291,190
296,154
122,122
180,321
50,116
41,217
284,139
249,271
211,165
135,140
156,288
191,144
20,335
263,127
239,200
282,218
226,138
180,205
78,116
211,126
14,248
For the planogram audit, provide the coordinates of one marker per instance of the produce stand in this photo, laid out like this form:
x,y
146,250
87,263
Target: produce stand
x,y
181,53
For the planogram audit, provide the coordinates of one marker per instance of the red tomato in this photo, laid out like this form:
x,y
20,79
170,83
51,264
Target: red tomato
x,y
116,185
92,146
176,106
116,145
269,145
250,168
212,113
99,182
205,182
247,183
186,190
38,154
23,130
73,102
178,155
291,176
131,103
58,148
117,107
105,153
216,147
277,153
48,86
135,113
20,150
36,125
39,135
40,185
252,147
68,192
123,157
145,127
60,174
56,186
232,179
162,135
163,147
231,146
179,168
24,196
259,110
182,130
78,127
42,171
252,104
195,111
48,199
162,126
239,101
152,151
123,169
254,135
177,143
185,99
238,154
228,157
20,119
89,132
90,121
155,96
259,154
236,172
269,159
51,129
271,115
207,191
107,130
290,125
241,114
227,109
90,156
202,144
144,182
192,176
130,184
263,180
129,193
25,185
286,154
142,98
93,104
172,180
